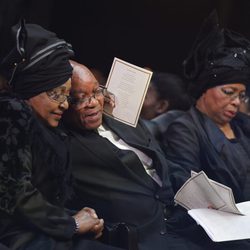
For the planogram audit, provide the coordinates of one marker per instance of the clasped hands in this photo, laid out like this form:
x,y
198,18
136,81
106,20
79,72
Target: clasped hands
x,y
88,222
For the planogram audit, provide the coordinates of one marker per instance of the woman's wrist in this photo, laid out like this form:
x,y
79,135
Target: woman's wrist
x,y
77,227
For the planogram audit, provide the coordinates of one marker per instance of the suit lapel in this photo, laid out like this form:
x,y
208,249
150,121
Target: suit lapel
x,y
108,154
137,138
94,143
127,133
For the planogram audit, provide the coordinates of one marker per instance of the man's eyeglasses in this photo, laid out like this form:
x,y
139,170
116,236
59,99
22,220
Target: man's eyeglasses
x,y
56,95
101,91
232,95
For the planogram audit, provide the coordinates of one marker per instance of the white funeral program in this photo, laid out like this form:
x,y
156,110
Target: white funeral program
x,y
129,84
212,206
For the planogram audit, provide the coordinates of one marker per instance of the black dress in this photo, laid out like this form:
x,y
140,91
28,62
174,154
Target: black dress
x,y
34,182
194,142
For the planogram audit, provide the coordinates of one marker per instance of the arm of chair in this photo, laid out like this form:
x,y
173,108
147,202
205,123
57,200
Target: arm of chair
x,y
120,235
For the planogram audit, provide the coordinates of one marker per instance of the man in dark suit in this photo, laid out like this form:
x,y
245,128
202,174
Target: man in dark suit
x,y
120,171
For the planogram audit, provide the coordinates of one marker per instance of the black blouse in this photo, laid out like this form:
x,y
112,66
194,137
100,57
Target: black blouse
x,y
33,174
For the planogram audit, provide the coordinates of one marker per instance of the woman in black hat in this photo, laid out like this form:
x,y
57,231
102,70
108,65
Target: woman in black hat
x,y
213,136
34,174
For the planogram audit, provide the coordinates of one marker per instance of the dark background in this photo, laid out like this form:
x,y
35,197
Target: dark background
x,y
149,33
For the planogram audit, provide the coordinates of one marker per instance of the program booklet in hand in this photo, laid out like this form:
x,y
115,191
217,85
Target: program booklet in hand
x,y
129,84
212,206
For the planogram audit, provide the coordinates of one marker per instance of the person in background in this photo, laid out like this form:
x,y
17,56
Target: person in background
x,y
213,136
166,92
245,106
166,99
34,160
99,75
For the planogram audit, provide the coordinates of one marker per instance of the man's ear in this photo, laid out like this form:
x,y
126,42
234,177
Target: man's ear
x,y
162,106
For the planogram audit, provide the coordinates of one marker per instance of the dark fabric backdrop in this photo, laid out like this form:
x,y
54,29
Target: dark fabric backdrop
x,y
152,33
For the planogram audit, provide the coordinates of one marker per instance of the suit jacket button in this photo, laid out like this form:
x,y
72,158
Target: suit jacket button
x,y
157,196
162,232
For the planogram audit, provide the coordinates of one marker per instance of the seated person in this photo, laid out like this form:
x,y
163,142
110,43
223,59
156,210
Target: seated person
x,y
165,100
245,106
34,171
213,136
119,170
165,92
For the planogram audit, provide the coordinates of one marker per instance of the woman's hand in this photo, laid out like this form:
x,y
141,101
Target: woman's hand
x,y
88,222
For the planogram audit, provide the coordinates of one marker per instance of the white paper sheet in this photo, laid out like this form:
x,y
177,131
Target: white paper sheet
x,y
224,226
226,220
129,84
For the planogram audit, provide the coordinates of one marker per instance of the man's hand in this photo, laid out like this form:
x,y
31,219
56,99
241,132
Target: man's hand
x,y
109,102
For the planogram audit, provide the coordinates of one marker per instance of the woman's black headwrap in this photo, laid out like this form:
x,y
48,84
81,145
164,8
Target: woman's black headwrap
x,y
38,61
218,57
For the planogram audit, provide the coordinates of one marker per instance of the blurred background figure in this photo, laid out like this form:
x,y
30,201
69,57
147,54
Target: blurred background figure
x,y
166,92
245,106
166,99
99,75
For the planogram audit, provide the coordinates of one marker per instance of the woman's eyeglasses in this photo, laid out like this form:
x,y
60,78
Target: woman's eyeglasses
x,y
232,95
57,96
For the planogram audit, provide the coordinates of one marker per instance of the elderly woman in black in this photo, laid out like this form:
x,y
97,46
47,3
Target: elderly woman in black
x,y
34,173
213,136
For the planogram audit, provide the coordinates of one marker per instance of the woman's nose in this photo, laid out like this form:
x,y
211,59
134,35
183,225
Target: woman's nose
x,y
64,105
